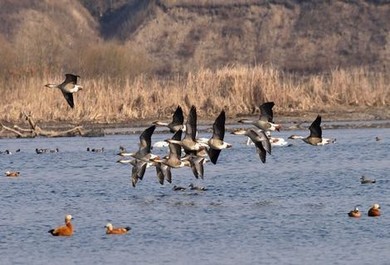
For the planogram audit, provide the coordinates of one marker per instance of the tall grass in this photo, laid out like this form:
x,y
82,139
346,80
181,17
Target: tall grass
x,y
237,89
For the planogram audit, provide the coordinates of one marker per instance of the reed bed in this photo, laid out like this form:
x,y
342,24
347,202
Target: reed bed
x,y
237,89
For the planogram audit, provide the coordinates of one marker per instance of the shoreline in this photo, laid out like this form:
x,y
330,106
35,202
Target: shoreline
x,y
292,121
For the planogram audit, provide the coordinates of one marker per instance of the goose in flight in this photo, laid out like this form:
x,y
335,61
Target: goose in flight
x,y
68,87
315,137
189,143
216,142
265,121
177,122
260,139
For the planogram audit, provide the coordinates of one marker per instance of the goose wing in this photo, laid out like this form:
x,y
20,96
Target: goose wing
x,y
178,117
219,126
213,155
69,98
266,113
146,140
70,78
315,128
191,124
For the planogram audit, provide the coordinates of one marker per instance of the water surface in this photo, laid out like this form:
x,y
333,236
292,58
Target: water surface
x,y
291,210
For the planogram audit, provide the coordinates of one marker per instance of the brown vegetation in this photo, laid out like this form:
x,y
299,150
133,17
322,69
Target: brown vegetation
x,y
140,59
237,89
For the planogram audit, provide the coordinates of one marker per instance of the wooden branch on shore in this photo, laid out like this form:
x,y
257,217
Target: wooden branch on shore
x,y
35,130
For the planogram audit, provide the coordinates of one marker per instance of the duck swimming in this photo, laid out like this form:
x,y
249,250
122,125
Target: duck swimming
x,y
374,210
12,173
355,213
110,230
365,180
65,230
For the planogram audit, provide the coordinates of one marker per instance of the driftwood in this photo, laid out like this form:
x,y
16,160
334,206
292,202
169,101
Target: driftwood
x,y
35,130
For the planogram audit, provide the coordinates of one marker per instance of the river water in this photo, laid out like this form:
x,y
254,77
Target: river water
x,y
291,210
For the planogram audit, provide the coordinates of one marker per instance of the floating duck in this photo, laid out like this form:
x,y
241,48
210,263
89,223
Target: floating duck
x,y
374,210
95,150
178,188
12,173
365,180
110,230
193,187
46,150
355,213
65,230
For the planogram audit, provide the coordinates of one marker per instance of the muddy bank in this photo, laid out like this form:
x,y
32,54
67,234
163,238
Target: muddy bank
x,y
377,118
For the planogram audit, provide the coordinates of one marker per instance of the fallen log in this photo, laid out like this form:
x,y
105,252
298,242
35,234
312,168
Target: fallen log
x,y
35,130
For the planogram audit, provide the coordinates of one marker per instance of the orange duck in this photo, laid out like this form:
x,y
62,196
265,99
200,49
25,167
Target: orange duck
x,y
110,230
374,210
65,230
12,173
355,213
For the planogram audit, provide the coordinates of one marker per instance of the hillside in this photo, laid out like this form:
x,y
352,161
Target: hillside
x,y
307,36
179,36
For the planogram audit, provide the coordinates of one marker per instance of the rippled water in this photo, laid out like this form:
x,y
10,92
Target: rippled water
x,y
291,210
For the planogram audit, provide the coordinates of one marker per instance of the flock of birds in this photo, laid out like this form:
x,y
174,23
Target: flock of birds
x,y
190,151
193,152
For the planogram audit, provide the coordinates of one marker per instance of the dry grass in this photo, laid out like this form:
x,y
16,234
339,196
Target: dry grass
x,y
238,90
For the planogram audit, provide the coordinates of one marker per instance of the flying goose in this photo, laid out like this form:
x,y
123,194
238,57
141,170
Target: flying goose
x,y
196,163
324,141
68,87
173,160
144,151
142,157
259,138
315,137
216,142
176,123
189,142
65,230
265,121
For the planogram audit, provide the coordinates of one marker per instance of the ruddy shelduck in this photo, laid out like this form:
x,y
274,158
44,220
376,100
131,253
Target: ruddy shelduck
x,y
110,230
355,213
12,173
65,230
374,210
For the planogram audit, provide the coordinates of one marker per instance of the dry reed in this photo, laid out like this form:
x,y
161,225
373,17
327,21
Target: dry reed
x,y
237,89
